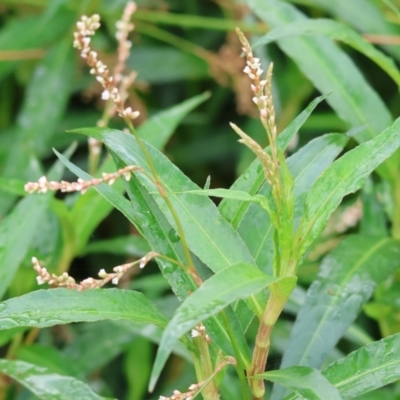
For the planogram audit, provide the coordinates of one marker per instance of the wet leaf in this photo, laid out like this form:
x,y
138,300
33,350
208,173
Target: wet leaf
x,y
233,283
347,279
345,176
46,384
63,306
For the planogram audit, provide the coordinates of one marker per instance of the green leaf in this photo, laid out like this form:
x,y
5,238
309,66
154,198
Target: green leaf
x,y
13,186
18,229
373,222
48,357
253,178
203,224
371,20
254,224
331,70
46,384
366,369
40,114
309,383
133,245
172,64
233,283
336,31
63,306
33,32
345,176
91,209
159,128
347,279
144,213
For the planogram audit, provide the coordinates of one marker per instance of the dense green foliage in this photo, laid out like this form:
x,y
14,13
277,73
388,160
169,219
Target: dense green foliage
x,y
287,257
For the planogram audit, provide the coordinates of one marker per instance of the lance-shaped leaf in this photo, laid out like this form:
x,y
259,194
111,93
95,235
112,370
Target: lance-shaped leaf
x,y
336,31
63,306
91,209
204,226
144,213
371,20
45,384
254,224
345,176
253,178
330,69
365,369
225,287
347,279
309,383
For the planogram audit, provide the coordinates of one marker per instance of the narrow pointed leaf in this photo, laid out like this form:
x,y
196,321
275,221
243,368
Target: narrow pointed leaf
x,y
225,287
347,279
160,127
45,384
309,383
345,176
366,369
253,178
63,306
336,31
144,213
203,224
91,209
330,69
254,224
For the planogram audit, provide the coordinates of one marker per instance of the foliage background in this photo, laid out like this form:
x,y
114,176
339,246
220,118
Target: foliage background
x,y
180,49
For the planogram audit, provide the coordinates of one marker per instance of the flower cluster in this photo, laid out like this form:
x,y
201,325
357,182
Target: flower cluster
x,y
200,331
64,280
86,28
260,87
189,395
43,185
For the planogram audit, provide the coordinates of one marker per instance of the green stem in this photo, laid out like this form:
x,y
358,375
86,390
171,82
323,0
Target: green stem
x,y
164,195
204,369
240,367
276,302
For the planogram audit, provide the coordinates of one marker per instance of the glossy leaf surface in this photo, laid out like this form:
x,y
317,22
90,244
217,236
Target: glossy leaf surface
x,y
46,384
347,279
63,306
345,176
90,209
253,178
233,283
366,369
144,213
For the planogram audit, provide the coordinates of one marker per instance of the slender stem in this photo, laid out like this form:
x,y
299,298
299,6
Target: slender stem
x,y
204,369
240,368
274,307
163,194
